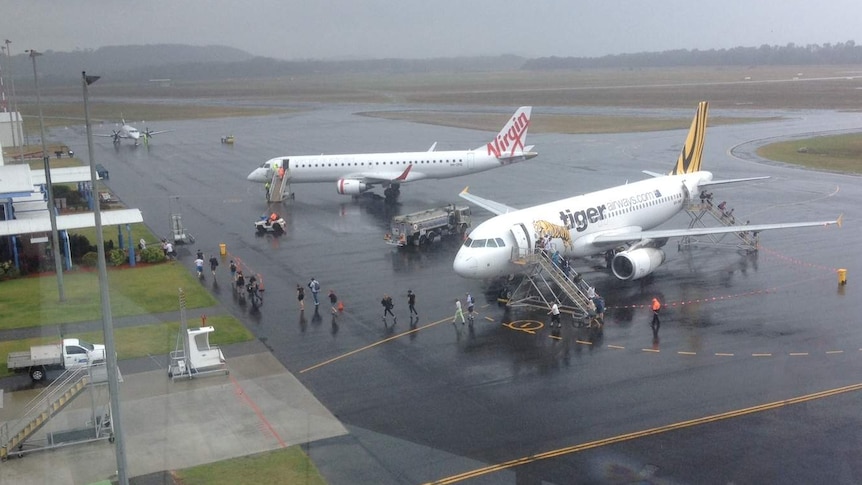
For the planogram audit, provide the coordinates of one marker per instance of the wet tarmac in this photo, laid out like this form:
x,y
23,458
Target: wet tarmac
x,y
504,402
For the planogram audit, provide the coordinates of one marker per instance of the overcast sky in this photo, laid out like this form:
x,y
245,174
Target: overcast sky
x,y
335,29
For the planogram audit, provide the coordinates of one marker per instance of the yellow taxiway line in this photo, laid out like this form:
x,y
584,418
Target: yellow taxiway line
x,y
644,433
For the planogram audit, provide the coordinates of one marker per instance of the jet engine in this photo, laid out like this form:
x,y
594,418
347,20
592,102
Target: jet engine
x,y
636,263
351,187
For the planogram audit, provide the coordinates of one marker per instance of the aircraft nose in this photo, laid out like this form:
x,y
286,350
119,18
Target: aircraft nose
x,y
465,266
253,176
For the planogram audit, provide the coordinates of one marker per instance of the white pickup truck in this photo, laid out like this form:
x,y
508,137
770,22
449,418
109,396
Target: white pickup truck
x,y
42,358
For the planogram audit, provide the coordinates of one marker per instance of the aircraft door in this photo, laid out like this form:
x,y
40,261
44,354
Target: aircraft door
x,y
523,241
468,161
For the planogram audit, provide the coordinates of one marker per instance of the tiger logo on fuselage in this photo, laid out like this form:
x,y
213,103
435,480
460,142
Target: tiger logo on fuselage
x,y
555,231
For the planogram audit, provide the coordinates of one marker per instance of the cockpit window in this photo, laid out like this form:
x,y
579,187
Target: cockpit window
x,y
500,242
478,243
492,243
468,242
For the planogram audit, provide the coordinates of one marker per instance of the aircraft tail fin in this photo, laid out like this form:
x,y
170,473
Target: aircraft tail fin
x,y
692,152
509,142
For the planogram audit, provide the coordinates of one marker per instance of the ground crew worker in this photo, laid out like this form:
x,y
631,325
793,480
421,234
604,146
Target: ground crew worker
x,y
656,323
555,315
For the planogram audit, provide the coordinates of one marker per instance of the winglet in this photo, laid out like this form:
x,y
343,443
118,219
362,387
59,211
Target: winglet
x,y
403,176
840,220
465,190
692,152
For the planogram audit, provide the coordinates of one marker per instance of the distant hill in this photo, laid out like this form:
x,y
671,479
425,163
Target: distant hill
x,y
113,61
140,63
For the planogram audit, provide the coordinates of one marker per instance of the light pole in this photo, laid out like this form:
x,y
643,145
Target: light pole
x,y
11,119
107,320
55,239
14,103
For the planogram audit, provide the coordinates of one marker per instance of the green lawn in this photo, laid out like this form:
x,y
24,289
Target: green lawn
x,y
34,301
840,153
288,465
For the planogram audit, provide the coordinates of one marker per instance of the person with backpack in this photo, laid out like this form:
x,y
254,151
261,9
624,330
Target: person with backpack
x,y
388,305
314,286
213,264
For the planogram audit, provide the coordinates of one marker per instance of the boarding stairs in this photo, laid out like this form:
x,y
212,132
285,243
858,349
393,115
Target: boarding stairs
x,y
47,404
544,283
279,188
698,211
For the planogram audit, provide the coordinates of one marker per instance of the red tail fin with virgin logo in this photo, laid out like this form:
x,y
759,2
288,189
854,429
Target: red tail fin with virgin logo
x,y
509,143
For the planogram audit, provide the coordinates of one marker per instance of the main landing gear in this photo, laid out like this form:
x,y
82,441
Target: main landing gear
x,y
391,193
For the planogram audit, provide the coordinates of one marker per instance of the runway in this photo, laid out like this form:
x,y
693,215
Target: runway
x,y
754,379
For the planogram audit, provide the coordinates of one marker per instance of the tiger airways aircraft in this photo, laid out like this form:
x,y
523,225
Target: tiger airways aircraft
x,y
129,132
357,173
602,221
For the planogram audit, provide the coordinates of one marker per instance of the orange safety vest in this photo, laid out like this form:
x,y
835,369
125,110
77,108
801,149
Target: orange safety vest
x,y
656,305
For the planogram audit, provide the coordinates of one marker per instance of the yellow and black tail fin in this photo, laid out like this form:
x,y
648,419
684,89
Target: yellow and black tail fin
x,y
692,152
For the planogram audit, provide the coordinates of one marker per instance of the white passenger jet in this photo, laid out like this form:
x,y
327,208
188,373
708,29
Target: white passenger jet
x,y
619,219
357,173
129,132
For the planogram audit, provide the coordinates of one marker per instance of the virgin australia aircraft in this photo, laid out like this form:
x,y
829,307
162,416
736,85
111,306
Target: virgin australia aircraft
x,y
602,221
357,173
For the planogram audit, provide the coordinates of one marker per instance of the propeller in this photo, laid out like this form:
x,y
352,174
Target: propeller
x,y
116,136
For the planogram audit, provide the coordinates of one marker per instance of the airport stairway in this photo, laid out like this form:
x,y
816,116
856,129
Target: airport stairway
x,y
545,282
742,240
42,408
278,186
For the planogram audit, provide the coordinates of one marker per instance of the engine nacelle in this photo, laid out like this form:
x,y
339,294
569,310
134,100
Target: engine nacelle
x,y
351,187
636,263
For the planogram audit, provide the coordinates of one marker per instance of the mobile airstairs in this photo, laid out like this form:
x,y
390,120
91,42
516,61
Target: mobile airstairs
x,y
194,356
544,283
743,240
279,188
42,426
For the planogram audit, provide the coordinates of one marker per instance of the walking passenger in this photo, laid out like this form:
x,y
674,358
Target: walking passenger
x,y
458,312
656,323
411,302
300,296
314,286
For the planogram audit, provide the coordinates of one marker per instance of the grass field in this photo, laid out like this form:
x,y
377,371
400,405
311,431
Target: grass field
x,y
34,301
840,153
289,465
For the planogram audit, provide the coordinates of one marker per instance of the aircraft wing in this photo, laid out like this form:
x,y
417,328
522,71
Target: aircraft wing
x,y
702,231
149,133
386,177
730,181
489,205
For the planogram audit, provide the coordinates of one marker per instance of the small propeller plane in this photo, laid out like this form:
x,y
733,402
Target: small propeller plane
x,y
129,132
